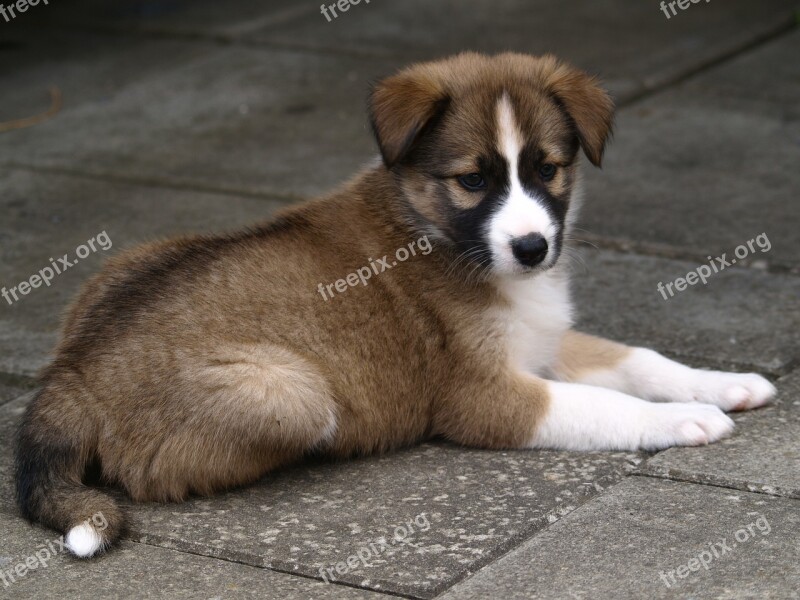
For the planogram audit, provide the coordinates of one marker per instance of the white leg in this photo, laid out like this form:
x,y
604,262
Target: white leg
x,y
583,417
646,374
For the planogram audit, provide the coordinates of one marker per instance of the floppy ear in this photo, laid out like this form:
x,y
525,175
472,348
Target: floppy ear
x,y
589,105
402,107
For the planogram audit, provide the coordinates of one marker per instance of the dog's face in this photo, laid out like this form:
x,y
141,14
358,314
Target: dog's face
x,y
486,151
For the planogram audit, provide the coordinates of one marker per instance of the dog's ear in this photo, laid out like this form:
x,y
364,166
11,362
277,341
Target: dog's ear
x,y
402,108
588,104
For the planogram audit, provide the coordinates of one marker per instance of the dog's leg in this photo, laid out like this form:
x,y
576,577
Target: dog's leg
x,y
519,410
244,411
646,374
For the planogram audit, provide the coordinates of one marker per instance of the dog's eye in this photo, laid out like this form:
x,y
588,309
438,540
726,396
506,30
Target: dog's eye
x,y
547,172
472,182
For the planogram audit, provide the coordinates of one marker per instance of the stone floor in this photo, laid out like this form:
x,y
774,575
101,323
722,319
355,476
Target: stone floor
x,y
194,115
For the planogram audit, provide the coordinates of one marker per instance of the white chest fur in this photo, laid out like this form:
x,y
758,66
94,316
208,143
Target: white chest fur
x,y
535,319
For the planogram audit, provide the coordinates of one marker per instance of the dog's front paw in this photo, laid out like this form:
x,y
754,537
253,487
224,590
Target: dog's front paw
x,y
684,424
732,391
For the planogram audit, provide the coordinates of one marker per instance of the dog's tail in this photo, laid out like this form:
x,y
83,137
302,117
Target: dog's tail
x,y
55,445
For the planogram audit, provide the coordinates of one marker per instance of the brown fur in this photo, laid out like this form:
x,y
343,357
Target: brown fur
x,y
202,363
581,353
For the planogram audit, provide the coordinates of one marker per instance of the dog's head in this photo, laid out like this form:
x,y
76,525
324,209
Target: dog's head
x,y
486,151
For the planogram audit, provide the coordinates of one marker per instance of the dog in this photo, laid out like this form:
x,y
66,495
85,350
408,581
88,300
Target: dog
x,y
199,364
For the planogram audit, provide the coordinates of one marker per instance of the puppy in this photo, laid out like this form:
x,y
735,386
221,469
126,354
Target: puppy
x,y
201,363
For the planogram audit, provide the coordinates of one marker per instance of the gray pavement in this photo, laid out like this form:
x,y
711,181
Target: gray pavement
x,y
720,151
142,571
198,115
651,538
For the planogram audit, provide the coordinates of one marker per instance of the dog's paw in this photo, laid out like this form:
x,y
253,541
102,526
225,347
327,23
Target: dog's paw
x,y
732,391
684,424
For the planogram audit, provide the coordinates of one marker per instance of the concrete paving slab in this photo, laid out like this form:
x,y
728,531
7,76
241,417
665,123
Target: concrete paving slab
x,y
758,77
649,538
14,386
8,392
47,215
633,45
137,571
89,69
709,165
466,508
742,319
294,122
209,18
231,118
762,456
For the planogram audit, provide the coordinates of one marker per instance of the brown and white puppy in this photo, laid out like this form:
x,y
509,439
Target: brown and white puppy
x,y
198,364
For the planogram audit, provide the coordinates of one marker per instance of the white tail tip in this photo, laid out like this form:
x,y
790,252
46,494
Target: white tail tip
x,y
84,541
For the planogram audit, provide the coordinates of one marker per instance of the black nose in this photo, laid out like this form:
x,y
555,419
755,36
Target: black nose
x,y
529,249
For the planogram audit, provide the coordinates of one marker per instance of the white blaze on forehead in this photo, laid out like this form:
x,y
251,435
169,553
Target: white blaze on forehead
x,y
520,213
509,137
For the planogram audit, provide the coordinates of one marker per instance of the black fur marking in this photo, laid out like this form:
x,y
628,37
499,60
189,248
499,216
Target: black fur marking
x,y
531,159
469,227
132,292
38,467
